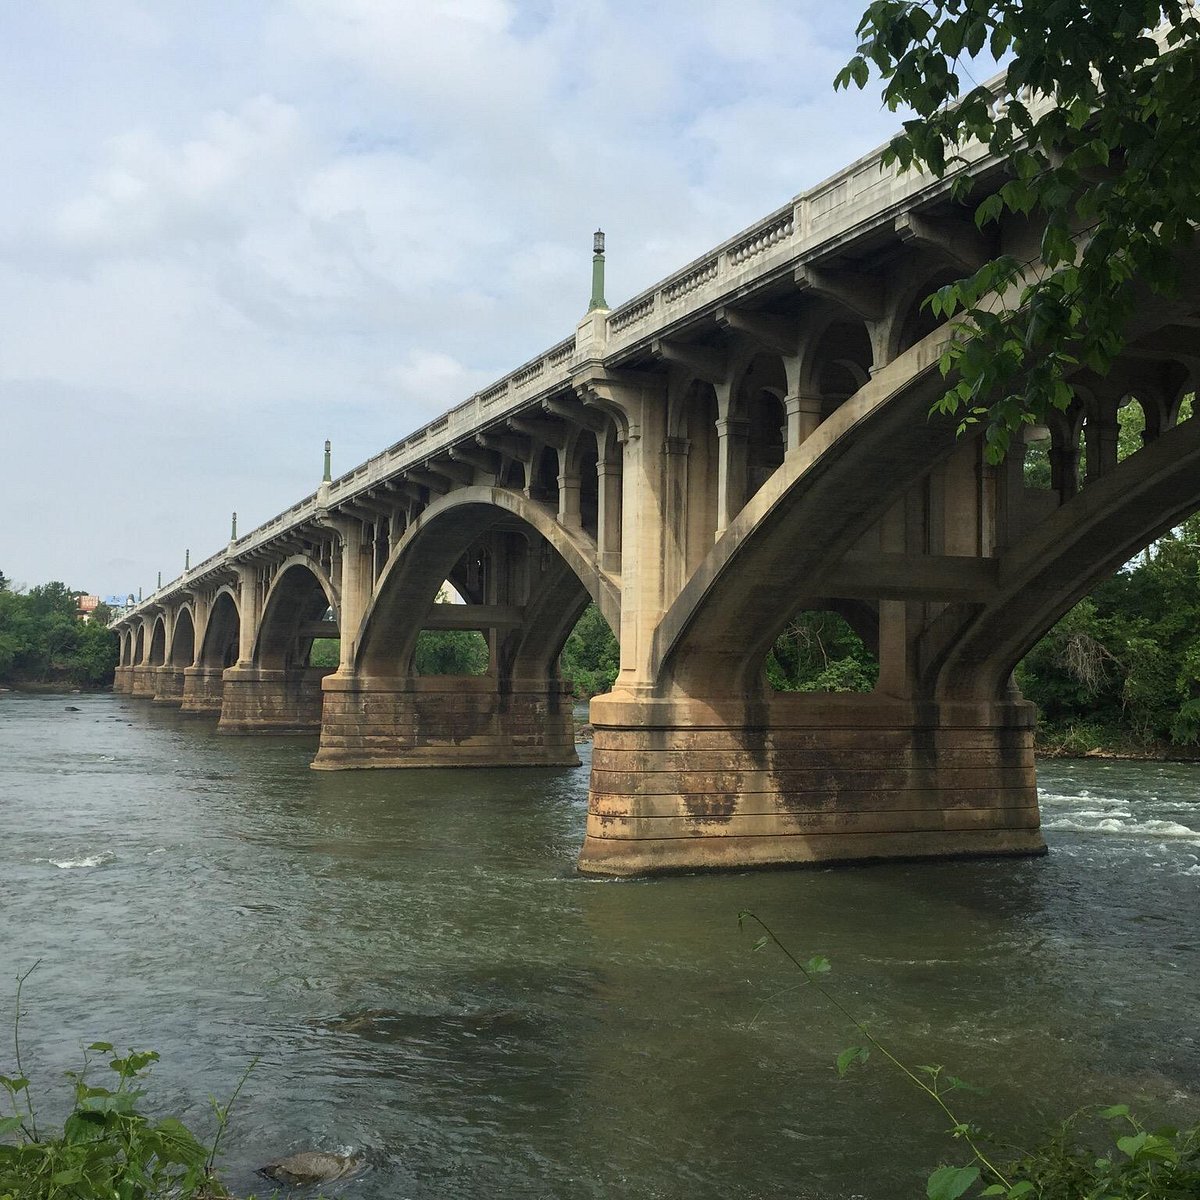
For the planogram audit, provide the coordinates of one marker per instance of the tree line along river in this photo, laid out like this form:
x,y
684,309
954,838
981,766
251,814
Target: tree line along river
x,y
428,983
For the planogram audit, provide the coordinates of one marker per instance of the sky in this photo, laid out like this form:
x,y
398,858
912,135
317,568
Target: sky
x,y
231,229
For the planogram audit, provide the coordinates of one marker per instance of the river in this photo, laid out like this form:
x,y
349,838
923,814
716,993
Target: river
x,y
427,983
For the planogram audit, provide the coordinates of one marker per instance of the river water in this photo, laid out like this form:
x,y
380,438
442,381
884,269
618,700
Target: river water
x,y
427,983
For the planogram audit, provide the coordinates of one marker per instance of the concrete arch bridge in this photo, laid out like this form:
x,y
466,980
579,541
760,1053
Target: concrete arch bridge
x,y
745,440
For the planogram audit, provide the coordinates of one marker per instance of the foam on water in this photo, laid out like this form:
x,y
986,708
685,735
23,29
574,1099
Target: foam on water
x,y
71,864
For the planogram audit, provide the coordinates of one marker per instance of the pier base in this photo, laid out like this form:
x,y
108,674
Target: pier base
x,y
168,686
203,688
142,681
444,721
257,700
687,785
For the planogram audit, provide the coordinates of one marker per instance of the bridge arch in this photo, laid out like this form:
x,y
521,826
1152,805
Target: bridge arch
x,y
219,645
139,645
158,642
301,594
183,639
970,652
430,552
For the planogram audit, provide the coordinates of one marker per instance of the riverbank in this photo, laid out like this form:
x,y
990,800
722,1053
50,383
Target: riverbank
x,y
50,687
1097,741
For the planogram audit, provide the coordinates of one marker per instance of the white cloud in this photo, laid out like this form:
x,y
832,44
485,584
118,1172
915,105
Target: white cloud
x,y
233,230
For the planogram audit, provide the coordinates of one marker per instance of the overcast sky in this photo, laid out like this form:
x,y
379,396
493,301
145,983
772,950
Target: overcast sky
x,y
229,230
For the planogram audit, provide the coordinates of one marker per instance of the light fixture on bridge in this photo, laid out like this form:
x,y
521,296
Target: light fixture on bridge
x,y
187,560
597,300
233,529
327,477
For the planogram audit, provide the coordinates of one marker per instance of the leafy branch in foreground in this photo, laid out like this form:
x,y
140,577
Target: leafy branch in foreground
x,y
109,1149
1099,133
1159,1165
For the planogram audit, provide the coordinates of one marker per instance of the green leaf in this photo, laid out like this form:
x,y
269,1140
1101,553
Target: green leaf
x,y
102,1047
948,1183
9,1125
850,1056
818,965
1131,1145
989,210
1117,1110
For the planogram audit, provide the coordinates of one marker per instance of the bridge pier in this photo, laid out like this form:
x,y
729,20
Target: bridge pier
x,y
123,680
803,778
261,700
203,688
142,680
168,685
444,721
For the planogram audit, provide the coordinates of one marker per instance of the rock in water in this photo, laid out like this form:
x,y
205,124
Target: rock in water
x,y
311,1166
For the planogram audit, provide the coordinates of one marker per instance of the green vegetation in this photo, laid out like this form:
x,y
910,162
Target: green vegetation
x,y
1121,671
451,652
325,652
1122,668
1099,134
819,652
1099,1153
592,657
42,639
109,1148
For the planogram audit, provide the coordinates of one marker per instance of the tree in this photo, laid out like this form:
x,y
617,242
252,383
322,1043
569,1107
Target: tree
x,y
591,658
1099,130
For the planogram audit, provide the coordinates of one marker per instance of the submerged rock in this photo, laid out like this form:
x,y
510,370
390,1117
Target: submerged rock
x,y
311,1166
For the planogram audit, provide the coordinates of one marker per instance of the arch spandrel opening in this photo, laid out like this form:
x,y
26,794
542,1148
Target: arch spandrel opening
x,y
841,364
759,403
220,645
445,647
158,643
832,646
183,640
299,623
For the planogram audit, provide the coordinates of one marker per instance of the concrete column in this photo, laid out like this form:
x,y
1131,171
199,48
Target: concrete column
x,y
1064,471
643,535
568,500
608,515
675,514
355,586
248,614
1100,434
733,442
803,417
